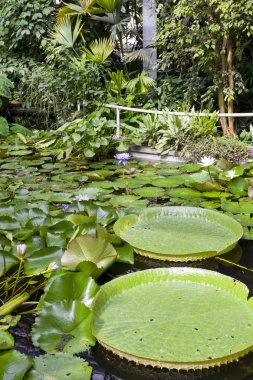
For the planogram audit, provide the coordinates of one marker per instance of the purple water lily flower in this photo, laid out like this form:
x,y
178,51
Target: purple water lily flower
x,y
64,207
122,158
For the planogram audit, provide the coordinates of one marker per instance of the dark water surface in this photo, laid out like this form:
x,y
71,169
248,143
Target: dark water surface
x,y
108,367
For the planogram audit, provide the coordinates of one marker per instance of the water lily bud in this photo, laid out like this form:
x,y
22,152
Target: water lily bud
x,y
21,248
9,236
52,267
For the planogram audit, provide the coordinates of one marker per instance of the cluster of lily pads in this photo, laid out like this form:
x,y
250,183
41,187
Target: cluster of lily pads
x,y
56,235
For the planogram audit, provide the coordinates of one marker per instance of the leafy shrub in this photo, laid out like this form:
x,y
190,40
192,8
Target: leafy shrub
x,y
90,137
23,26
59,87
166,132
230,149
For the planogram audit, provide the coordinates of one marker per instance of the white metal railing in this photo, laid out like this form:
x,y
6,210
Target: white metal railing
x,y
141,110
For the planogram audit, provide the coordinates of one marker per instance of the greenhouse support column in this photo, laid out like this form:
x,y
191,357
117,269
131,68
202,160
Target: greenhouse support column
x,y
149,34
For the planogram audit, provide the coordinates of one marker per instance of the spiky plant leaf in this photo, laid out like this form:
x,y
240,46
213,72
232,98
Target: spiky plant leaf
x,y
141,54
141,84
99,50
65,35
83,7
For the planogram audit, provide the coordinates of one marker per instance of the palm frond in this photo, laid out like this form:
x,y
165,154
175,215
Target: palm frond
x,y
141,54
65,35
99,50
110,6
118,81
141,84
83,7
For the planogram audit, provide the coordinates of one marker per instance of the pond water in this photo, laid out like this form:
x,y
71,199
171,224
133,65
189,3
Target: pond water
x,y
52,187
108,367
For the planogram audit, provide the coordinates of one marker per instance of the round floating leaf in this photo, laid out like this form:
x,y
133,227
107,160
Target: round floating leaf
x,y
190,168
215,194
38,261
179,233
242,207
8,223
22,152
14,365
184,193
123,200
172,181
238,186
59,367
64,326
211,205
150,192
69,286
175,318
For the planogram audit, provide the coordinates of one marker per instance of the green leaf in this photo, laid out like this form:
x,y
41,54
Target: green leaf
x,y
172,181
7,261
89,249
64,326
4,127
6,340
238,186
14,365
38,261
242,207
8,223
69,286
149,192
125,254
59,367
175,318
184,193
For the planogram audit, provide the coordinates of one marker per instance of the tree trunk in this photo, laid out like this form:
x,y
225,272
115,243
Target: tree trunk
x,y
221,98
231,86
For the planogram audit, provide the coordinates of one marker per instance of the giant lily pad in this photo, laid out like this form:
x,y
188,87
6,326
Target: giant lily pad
x,y
175,318
179,233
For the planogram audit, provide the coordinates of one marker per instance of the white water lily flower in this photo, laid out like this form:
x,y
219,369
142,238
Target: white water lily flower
x,y
82,197
231,174
21,248
207,161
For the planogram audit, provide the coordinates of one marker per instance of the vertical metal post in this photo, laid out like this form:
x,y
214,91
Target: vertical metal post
x,y
149,34
118,121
